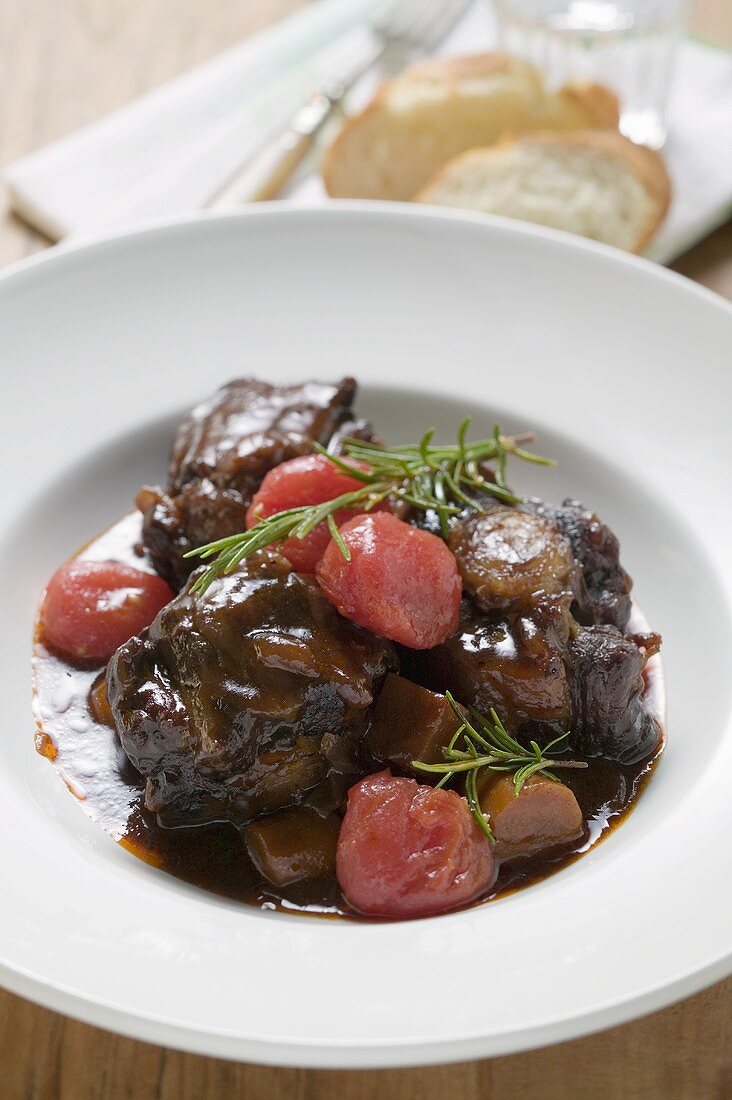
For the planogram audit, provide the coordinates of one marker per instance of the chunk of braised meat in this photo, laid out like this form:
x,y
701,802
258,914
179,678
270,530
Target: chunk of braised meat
x,y
223,702
605,670
221,452
249,426
172,526
514,664
603,593
506,556
354,428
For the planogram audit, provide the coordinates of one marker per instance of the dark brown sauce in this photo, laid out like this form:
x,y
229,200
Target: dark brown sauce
x,y
91,762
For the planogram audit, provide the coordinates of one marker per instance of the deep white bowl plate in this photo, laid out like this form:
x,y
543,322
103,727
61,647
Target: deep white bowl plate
x,y
624,371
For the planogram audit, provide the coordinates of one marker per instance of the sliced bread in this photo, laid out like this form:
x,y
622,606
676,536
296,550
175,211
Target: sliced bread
x,y
442,107
595,183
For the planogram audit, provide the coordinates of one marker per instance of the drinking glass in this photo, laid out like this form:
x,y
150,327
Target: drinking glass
x,y
628,45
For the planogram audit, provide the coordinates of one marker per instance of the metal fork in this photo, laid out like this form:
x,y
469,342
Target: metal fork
x,y
407,29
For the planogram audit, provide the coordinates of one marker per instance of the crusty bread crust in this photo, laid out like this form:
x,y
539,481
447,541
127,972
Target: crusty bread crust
x,y
451,70
598,104
645,164
365,160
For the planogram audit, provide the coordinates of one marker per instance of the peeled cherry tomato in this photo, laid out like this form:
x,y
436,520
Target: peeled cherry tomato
x,y
407,850
401,583
93,607
309,479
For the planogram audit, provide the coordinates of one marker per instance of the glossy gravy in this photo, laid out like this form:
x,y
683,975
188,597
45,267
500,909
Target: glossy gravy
x,y
92,763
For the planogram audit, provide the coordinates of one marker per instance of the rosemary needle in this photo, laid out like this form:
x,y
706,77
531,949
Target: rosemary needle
x,y
489,746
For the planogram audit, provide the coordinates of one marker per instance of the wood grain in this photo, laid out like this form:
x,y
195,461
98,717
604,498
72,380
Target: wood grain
x,y
63,63
682,1053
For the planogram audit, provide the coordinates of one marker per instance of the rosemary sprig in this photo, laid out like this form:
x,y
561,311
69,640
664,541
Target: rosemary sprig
x,y
488,745
439,478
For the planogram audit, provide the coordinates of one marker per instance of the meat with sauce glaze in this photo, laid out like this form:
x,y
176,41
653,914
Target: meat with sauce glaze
x,y
221,452
541,633
605,673
223,702
513,664
603,595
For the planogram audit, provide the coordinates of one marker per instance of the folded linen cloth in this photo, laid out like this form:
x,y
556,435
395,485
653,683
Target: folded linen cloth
x,y
169,152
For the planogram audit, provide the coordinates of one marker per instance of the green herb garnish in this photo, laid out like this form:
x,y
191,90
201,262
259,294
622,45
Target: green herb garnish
x,y
435,478
488,745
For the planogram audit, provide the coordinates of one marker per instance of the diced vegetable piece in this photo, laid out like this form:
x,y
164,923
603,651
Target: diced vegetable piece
x,y
410,723
543,815
309,479
93,607
294,845
407,850
401,582
99,702
304,554
506,555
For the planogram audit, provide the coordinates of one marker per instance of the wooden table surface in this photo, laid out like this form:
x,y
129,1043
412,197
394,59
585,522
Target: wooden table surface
x,y
62,64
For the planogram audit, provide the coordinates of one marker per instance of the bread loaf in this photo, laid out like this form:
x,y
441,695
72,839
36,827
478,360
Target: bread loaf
x,y
441,107
595,183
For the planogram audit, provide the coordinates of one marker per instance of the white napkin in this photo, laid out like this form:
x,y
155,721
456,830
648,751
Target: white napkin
x,y
167,153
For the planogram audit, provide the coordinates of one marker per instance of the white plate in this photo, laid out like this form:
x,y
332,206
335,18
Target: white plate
x,y
624,370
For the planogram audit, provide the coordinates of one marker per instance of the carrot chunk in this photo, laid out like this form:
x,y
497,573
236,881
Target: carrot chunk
x,y
401,583
543,815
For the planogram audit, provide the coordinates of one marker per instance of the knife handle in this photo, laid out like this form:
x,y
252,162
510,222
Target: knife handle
x,y
264,176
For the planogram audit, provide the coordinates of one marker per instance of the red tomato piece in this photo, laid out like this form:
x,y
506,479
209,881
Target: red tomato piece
x,y
407,850
304,554
309,479
93,607
401,582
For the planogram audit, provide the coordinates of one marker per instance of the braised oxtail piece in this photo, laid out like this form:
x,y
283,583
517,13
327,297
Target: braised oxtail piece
x,y
223,702
605,671
603,592
514,664
221,452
